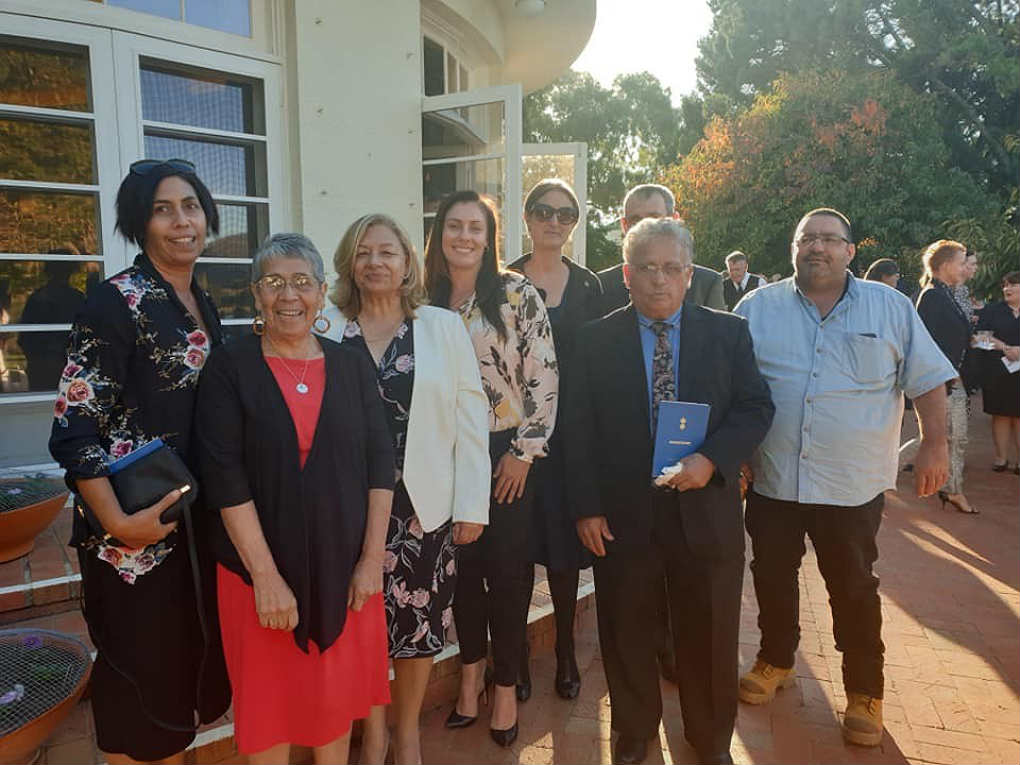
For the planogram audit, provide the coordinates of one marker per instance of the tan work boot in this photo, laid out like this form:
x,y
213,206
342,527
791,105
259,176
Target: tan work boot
x,y
862,723
759,686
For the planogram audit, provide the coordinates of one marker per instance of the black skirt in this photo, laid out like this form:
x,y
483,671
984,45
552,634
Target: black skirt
x,y
145,686
554,542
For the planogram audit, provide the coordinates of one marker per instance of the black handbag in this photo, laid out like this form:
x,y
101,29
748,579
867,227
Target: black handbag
x,y
142,478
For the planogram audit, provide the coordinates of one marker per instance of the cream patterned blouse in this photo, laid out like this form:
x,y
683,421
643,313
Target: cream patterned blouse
x,y
520,375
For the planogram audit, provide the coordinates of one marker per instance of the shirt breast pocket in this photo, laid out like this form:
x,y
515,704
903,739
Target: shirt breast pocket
x,y
868,359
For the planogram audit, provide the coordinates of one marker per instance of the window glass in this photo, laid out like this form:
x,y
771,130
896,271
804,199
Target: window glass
x,y
485,177
233,16
51,78
224,168
464,132
204,100
463,79
168,9
242,229
31,361
230,287
34,150
41,221
432,65
451,73
46,291
534,168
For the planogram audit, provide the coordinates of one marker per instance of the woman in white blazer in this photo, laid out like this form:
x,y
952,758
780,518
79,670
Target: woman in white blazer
x,y
438,416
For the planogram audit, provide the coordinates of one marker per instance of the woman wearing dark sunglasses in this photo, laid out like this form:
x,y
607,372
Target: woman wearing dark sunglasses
x,y
572,297
134,357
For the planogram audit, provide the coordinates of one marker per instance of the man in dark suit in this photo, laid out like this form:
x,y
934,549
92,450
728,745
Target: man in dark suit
x,y
650,200
689,533
738,282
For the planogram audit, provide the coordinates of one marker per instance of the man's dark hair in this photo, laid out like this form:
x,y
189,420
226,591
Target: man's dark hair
x,y
881,268
847,228
137,192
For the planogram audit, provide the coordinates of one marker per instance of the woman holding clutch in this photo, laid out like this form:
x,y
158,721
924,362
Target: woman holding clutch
x,y
297,458
134,357
438,419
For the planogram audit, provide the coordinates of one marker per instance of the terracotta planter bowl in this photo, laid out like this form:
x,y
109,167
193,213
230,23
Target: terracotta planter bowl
x,y
21,745
19,528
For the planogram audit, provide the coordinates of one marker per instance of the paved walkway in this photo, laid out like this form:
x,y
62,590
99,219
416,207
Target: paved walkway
x,y
951,600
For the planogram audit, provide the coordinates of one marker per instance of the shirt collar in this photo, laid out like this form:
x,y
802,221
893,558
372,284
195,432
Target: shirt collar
x,y
850,288
673,321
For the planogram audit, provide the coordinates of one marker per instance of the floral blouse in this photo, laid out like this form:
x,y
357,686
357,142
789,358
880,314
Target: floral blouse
x,y
396,381
133,360
520,375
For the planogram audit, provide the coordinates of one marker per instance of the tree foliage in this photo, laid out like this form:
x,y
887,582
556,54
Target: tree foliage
x,y
862,142
962,52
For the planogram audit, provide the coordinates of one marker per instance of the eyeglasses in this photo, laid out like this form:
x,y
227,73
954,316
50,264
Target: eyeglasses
x,y
146,166
670,270
543,213
827,240
275,284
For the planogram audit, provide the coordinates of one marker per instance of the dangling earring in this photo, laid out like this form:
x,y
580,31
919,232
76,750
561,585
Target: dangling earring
x,y
258,325
321,330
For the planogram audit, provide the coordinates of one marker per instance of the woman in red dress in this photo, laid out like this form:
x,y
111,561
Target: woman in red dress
x,y
297,457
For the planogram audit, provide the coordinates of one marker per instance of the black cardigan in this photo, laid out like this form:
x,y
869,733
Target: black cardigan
x,y
945,321
313,518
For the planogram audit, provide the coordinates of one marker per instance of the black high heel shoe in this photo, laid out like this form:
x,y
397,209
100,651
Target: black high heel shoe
x,y
504,737
568,678
959,508
456,720
523,689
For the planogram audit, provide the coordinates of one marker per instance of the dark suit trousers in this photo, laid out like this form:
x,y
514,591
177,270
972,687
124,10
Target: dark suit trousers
x,y
844,542
704,606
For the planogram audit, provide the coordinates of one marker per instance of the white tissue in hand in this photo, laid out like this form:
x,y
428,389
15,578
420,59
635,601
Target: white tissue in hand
x,y
668,472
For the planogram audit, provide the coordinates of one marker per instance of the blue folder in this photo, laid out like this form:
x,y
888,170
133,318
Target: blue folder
x,y
681,431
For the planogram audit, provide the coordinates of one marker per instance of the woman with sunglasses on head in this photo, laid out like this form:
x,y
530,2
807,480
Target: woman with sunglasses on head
x,y
513,343
134,356
298,461
572,297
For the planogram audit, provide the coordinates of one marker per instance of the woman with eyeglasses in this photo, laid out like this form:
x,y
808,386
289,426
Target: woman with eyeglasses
x,y
572,296
438,419
512,340
297,459
134,356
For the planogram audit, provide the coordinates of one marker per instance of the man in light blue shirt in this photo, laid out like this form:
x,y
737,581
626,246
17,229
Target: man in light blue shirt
x,y
838,355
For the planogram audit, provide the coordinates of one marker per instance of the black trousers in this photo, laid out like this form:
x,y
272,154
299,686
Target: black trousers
x,y
844,541
704,610
492,596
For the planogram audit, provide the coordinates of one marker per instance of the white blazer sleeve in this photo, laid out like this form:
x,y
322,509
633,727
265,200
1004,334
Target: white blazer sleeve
x,y
472,469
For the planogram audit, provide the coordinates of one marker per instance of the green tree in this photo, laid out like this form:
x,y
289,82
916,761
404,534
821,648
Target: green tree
x,y
962,52
861,142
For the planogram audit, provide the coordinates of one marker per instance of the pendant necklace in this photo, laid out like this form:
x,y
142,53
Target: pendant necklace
x,y
300,387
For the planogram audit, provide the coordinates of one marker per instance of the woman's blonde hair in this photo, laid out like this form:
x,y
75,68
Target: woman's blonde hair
x,y
345,294
937,253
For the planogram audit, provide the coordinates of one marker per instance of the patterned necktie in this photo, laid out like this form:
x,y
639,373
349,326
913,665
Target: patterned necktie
x,y
663,370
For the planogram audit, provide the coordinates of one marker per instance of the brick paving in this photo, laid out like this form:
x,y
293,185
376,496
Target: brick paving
x,y
951,605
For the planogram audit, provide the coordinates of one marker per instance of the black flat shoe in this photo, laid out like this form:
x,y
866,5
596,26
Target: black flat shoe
x,y
568,679
523,689
630,750
504,737
1000,467
457,720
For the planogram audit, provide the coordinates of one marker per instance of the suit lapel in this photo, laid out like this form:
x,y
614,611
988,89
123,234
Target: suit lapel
x,y
692,351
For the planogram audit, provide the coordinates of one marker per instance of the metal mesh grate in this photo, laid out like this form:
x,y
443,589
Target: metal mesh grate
x,y
16,493
38,670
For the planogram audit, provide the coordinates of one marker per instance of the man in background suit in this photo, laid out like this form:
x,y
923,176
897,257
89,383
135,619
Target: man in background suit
x,y
650,200
738,282
689,534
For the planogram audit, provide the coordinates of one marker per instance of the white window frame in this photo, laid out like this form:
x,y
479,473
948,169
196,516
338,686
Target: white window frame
x,y
129,49
511,96
579,151
106,158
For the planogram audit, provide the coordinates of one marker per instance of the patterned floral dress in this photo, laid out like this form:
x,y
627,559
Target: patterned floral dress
x,y
134,357
419,567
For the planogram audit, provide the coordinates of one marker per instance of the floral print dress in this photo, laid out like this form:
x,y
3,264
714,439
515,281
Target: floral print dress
x,y
419,569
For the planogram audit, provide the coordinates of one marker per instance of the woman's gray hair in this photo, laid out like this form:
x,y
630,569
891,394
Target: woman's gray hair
x,y
287,246
639,235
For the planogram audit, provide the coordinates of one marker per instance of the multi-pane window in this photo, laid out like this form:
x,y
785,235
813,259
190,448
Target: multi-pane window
x,y
218,122
51,248
232,16
442,72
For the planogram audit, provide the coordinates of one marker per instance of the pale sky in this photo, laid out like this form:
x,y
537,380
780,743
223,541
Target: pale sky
x,y
659,36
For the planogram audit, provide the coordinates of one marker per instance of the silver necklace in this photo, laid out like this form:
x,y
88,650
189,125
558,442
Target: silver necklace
x,y
300,387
